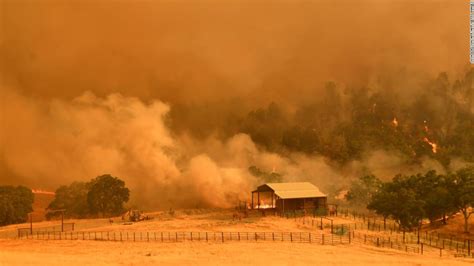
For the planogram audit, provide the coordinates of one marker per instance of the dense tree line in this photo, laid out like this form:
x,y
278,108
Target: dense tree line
x,y
102,196
412,198
15,204
343,122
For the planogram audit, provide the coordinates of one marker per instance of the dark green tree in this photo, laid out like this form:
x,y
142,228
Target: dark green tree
x,y
398,199
106,195
461,187
382,203
73,199
432,188
15,204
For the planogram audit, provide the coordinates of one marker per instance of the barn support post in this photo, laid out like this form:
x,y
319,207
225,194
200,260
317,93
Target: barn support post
x,y
273,203
258,200
252,198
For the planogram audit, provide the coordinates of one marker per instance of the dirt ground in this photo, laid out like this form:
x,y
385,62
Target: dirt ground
x,y
79,252
17,252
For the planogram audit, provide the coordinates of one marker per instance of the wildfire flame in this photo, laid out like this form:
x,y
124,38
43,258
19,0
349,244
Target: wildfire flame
x,y
395,122
425,126
264,206
40,191
434,146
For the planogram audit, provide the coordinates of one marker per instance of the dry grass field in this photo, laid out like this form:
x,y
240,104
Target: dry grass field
x,y
128,253
85,252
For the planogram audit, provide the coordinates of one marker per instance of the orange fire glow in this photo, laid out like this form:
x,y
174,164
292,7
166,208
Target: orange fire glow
x,y
40,191
395,122
425,126
264,206
434,146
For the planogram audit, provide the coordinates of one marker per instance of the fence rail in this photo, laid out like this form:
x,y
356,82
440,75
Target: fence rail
x,y
66,227
368,233
297,237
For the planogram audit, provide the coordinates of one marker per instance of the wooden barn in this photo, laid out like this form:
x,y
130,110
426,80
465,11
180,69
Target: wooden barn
x,y
285,197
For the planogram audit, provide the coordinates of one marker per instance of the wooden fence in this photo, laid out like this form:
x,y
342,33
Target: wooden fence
x,y
389,236
25,231
297,237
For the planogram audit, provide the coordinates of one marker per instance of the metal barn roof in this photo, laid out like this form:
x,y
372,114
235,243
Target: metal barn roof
x,y
295,190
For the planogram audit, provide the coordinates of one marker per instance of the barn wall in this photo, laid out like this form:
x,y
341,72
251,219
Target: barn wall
x,y
299,204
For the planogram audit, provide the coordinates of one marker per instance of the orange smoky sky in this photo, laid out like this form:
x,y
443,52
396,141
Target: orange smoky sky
x,y
85,86
200,50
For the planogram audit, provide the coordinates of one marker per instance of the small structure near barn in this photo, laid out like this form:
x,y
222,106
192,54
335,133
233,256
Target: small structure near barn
x,y
284,197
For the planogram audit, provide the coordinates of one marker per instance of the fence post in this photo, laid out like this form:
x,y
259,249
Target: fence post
x,y
207,239
469,247
309,237
291,237
349,237
322,239
222,234
421,248
440,252
321,223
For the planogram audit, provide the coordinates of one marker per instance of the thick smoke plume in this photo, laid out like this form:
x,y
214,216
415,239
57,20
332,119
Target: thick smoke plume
x,y
152,91
56,142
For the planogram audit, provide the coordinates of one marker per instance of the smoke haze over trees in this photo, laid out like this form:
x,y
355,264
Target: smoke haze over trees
x,y
176,97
